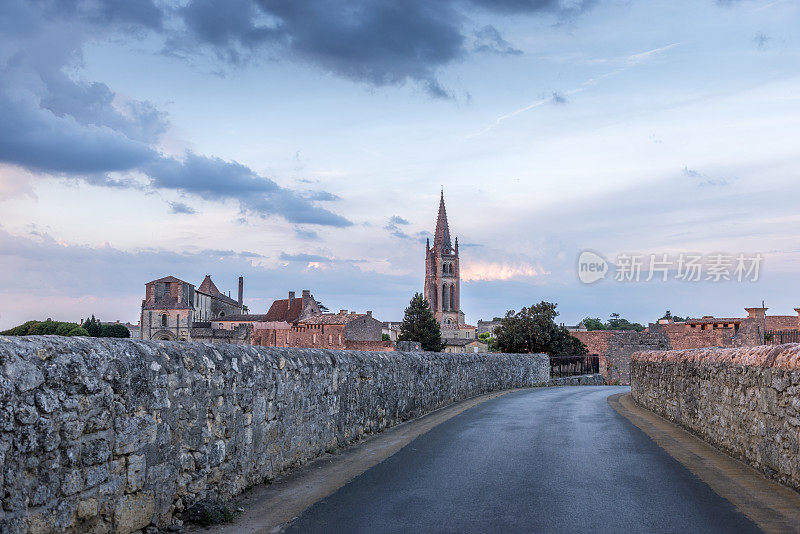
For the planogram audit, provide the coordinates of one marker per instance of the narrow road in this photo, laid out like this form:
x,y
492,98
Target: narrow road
x,y
541,460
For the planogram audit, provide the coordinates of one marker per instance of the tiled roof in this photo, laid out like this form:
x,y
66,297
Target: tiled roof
x,y
243,318
281,311
333,318
208,287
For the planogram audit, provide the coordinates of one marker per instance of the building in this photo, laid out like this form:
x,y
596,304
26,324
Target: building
x,y
614,347
487,327
173,310
466,345
392,329
342,331
443,280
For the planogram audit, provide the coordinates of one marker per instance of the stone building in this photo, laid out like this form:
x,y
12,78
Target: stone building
x,y
466,345
614,347
443,280
173,310
343,331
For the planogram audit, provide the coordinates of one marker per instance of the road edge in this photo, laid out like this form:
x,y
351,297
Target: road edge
x,y
268,508
771,505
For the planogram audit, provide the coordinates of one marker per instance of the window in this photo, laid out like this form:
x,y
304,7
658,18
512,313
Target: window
x,y
163,319
452,297
444,297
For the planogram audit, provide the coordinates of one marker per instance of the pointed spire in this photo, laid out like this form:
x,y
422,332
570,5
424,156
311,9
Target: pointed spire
x,y
441,239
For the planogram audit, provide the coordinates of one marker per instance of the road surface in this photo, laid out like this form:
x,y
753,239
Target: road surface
x,y
539,460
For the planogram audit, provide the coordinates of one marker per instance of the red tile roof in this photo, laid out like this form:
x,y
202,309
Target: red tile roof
x,y
208,287
281,311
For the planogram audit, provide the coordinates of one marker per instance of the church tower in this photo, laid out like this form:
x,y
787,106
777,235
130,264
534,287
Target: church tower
x,y
442,279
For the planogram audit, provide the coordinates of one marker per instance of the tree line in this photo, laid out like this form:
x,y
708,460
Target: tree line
x,y
91,328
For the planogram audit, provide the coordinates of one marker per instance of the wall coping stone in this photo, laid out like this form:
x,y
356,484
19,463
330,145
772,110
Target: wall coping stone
x,y
785,356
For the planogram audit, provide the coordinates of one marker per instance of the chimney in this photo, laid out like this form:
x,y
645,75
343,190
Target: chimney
x,y
369,313
241,289
291,298
306,294
756,313
342,312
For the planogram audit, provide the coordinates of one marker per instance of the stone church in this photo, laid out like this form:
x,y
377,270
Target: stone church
x,y
443,281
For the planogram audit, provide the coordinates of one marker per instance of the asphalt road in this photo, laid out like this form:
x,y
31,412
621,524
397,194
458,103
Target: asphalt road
x,y
541,460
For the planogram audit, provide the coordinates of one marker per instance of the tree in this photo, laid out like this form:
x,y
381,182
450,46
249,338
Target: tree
x,y
93,326
386,337
420,325
615,322
675,318
114,330
78,331
593,323
491,343
534,330
322,307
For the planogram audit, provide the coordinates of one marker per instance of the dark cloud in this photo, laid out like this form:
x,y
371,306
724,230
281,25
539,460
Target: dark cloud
x,y
180,207
381,43
82,130
488,39
134,13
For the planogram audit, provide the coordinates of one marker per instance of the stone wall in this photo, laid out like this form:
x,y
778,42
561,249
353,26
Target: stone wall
x,y
614,349
103,435
745,401
579,380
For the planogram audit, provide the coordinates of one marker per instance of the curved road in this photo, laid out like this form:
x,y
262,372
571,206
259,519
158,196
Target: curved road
x,y
540,460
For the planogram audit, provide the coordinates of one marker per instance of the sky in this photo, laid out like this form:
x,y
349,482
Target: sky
x,y
304,145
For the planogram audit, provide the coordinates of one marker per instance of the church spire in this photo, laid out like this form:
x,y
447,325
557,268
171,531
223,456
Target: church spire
x,y
441,239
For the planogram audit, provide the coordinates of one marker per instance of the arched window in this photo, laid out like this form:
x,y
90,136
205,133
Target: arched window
x,y
163,319
444,297
444,268
452,297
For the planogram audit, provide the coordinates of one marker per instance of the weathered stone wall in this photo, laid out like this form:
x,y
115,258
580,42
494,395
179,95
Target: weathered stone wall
x,y
614,349
745,401
580,380
102,435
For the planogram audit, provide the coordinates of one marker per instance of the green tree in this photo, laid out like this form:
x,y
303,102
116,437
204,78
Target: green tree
x,y
420,325
491,342
114,330
593,323
615,322
93,326
78,331
386,337
534,330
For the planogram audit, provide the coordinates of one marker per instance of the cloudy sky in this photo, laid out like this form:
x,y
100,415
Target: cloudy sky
x,y
304,145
